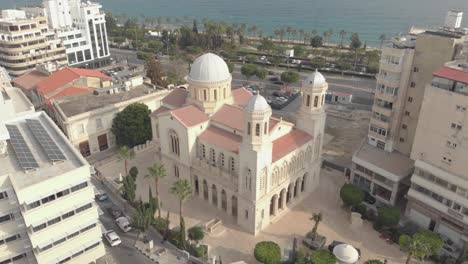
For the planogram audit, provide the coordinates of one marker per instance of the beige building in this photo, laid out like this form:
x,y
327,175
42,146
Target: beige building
x,y
26,41
438,198
86,118
47,209
237,156
382,165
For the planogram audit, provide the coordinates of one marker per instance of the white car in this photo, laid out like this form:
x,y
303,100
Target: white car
x,y
112,238
123,224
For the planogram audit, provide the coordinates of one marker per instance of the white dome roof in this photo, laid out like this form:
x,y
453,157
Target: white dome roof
x,y
209,68
257,104
316,78
346,253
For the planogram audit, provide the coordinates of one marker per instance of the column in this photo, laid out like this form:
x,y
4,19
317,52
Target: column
x,y
228,203
275,206
283,200
220,198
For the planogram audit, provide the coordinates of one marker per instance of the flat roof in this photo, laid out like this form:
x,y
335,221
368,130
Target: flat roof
x,y
82,103
396,164
21,102
10,164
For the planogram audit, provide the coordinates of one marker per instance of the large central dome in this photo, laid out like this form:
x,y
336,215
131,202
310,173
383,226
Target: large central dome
x,y
209,68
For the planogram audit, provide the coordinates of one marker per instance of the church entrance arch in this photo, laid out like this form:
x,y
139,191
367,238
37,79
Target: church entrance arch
x,y
223,200
197,187
214,195
234,205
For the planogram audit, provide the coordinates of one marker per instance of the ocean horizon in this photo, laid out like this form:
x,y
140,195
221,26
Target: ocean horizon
x,y
368,18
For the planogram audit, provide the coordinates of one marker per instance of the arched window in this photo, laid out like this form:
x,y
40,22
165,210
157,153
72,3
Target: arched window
x,y
203,151
265,128
224,93
323,99
316,101
212,157
249,128
308,100
204,95
215,94
257,129
175,148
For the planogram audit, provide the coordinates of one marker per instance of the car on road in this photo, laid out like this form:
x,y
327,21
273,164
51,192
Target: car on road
x,y
336,243
114,212
101,197
112,238
123,224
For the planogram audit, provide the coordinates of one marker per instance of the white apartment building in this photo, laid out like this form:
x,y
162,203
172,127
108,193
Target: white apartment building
x,y
382,164
438,198
82,28
47,209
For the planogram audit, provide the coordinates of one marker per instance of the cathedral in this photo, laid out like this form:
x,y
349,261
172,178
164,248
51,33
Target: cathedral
x,y
238,157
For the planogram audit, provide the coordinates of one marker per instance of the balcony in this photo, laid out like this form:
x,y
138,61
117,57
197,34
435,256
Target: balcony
x,y
385,110
215,173
387,81
377,135
390,66
380,123
385,96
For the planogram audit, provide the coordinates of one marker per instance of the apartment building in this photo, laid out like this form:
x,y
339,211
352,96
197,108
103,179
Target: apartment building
x,y
47,209
382,164
26,41
438,198
82,28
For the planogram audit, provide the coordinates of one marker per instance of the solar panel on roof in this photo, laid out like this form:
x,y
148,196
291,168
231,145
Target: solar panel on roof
x,y
50,148
22,151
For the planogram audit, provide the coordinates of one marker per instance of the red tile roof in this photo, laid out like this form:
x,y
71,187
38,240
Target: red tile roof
x,y
190,115
176,98
241,96
160,110
288,143
273,122
72,90
221,138
29,80
65,76
230,116
452,74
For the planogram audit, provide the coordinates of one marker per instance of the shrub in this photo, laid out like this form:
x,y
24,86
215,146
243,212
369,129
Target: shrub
x,y
141,55
160,224
323,256
351,195
388,216
196,233
362,209
198,251
370,215
133,172
267,252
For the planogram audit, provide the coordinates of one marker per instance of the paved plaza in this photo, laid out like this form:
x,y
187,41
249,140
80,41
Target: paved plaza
x,y
232,244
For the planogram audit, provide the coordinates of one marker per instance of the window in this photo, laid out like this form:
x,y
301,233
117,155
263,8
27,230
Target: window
x,y
79,186
461,108
249,128
63,193
246,214
48,199
410,99
84,207
446,160
53,221
308,100
415,69
176,171
380,144
265,128
33,205
407,113
215,95
203,150
3,195
232,164
257,129
451,144
212,157
67,215
72,235
6,218
456,126
402,140
39,227
404,126
412,84
204,95
98,123
316,101
175,148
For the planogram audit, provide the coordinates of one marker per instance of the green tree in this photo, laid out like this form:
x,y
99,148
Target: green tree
x,y
267,45
342,36
421,245
322,256
132,126
388,216
230,66
355,41
142,219
128,188
299,51
248,70
111,23
316,41
183,190
351,195
154,72
196,234
126,154
133,172
157,172
261,73
373,261
289,77
267,252
152,202
317,218
275,60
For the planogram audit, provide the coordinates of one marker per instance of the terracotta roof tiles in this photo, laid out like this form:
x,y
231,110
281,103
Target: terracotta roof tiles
x,y
29,80
452,74
288,143
176,98
241,96
230,116
190,115
160,110
221,138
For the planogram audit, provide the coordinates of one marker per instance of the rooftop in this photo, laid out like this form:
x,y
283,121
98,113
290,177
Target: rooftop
x,y
452,73
82,103
230,116
221,138
46,169
241,96
176,98
20,101
288,143
30,79
190,115
397,165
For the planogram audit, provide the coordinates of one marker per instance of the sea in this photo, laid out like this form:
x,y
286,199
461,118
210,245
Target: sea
x,y
368,18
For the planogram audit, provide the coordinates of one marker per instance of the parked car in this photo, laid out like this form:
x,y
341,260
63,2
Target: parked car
x,y
101,197
123,224
112,238
336,243
274,79
278,83
114,212
368,198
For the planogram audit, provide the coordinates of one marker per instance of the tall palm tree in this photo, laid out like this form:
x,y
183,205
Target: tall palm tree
x,y
282,32
183,190
342,36
317,218
142,219
126,154
294,33
157,172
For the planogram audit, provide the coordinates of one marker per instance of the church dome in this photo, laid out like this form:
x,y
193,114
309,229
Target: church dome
x,y
257,104
209,68
315,79
346,254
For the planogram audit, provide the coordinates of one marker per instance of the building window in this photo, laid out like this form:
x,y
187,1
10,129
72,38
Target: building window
x,y
407,113
451,144
204,95
316,101
257,129
446,160
404,126
3,195
456,126
246,214
402,140
98,123
215,95
415,69
412,84
265,128
232,164
221,160
203,151
7,217
308,100
461,108
176,171
410,99
175,147
212,157
249,128
380,144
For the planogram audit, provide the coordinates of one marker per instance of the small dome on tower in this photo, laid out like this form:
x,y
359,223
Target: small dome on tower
x,y
257,103
315,79
209,68
346,254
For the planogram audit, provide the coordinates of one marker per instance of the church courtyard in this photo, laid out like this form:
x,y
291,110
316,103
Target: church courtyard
x,y
233,244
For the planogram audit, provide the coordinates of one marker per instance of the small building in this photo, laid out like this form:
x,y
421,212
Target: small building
x,y
339,98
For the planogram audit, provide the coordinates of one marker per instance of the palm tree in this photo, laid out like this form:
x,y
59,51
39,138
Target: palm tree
x,y
301,34
142,219
126,154
317,218
157,172
289,30
183,190
342,36
382,39
294,33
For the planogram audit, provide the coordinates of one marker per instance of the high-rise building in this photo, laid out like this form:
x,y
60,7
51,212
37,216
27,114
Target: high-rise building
x,y
382,164
47,208
82,28
26,41
438,198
